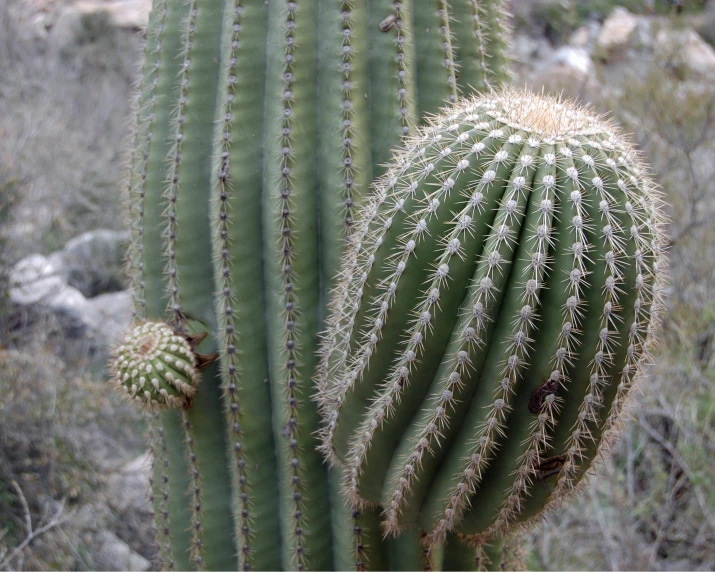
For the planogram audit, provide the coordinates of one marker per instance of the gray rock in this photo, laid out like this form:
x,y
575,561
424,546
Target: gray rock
x,y
116,311
34,283
615,35
568,72
93,262
527,49
128,487
686,52
585,36
112,553
38,291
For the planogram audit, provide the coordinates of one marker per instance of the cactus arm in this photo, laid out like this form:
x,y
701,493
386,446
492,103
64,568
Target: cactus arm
x,y
635,311
480,37
190,167
532,424
643,220
153,184
159,492
344,533
429,306
617,320
436,83
407,552
371,550
458,556
344,154
391,94
484,421
353,394
450,389
240,299
415,462
176,487
144,108
344,175
525,284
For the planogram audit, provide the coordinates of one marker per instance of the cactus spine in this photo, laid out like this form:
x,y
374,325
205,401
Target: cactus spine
x,y
495,306
259,126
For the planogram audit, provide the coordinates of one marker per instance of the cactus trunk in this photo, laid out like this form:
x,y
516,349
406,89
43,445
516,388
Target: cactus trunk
x,y
259,127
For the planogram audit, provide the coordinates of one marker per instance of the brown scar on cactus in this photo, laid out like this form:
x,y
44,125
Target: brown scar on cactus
x,y
549,467
388,23
549,387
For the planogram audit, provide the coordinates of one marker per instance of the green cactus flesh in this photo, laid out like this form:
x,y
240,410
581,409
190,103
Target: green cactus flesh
x,y
259,127
494,308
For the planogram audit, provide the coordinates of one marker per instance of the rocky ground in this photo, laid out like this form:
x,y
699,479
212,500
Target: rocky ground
x,y
68,68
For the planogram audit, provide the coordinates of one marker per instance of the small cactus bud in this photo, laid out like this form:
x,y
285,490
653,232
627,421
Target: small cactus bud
x,y
155,367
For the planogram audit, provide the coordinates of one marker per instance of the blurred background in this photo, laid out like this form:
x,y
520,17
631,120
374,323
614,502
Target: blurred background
x,y
73,457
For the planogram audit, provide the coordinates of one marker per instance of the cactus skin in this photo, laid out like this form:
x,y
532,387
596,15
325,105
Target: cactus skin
x,y
496,304
259,127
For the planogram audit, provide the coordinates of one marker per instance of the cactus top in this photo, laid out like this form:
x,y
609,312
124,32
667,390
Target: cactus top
x,y
494,308
155,367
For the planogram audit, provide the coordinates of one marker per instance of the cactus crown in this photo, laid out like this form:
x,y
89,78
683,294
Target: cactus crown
x,y
494,308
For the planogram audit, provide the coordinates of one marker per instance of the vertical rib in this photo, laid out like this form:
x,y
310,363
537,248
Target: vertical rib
x,y
291,220
392,74
240,296
436,84
191,290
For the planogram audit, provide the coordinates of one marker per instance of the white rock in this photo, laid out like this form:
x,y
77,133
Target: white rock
x,y
121,13
576,59
36,285
686,50
112,553
585,36
616,33
93,261
569,71
128,488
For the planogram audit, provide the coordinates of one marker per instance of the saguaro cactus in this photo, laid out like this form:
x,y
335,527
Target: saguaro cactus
x,y
259,127
495,306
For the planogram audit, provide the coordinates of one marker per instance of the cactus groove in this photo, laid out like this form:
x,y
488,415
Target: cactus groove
x,y
258,129
496,304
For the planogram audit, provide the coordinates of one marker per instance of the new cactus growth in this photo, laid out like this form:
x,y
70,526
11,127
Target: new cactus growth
x,y
259,127
155,367
495,306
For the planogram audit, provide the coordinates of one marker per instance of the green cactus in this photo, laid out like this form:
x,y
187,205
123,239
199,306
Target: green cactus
x,y
494,309
259,126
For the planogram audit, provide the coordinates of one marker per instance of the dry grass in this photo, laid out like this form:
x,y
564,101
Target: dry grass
x,y
63,109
